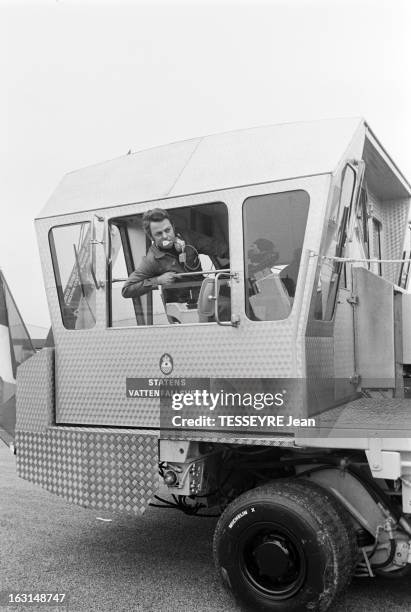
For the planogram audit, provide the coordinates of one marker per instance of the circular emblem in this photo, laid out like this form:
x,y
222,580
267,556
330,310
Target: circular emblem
x,y
166,363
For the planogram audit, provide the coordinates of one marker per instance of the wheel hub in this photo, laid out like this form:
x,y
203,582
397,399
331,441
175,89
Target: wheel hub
x,y
272,558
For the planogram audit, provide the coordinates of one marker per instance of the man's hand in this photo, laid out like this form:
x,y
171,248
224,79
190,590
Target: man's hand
x,y
165,279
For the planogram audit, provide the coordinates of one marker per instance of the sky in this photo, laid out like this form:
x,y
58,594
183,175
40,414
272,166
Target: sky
x,y
83,82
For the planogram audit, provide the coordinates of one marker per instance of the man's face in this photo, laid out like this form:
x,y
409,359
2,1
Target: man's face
x,y
162,233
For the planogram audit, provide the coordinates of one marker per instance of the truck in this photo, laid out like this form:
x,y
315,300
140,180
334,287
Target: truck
x,y
273,393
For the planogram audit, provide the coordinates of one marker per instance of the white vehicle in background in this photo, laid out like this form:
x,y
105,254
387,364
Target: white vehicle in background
x,y
315,215
16,346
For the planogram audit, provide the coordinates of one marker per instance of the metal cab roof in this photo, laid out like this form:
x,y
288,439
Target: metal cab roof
x,y
215,162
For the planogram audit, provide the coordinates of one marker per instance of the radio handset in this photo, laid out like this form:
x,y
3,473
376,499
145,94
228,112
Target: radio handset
x,y
180,247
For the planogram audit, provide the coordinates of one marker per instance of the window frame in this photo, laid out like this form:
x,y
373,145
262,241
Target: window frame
x,y
348,217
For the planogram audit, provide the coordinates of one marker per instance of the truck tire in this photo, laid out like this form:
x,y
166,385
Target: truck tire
x,y
346,522
283,546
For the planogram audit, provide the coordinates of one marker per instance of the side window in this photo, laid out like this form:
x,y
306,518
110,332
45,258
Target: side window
x,y
156,279
70,249
336,236
274,228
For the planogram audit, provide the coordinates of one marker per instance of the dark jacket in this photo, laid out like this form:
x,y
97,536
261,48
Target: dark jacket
x,y
157,262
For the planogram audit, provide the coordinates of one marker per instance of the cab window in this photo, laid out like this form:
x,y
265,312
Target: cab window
x,y
199,247
274,228
70,249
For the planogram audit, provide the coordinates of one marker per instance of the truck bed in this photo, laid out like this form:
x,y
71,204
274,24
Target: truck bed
x,y
368,417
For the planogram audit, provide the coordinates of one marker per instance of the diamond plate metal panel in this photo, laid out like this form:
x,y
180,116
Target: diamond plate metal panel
x,y
374,329
54,460
393,215
320,357
344,337
99,395
226,439
35,392
396,216
330,358
377,208
92,365
380,417
102,469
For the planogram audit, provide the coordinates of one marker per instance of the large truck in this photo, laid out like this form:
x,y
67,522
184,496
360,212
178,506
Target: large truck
x,y
274,393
